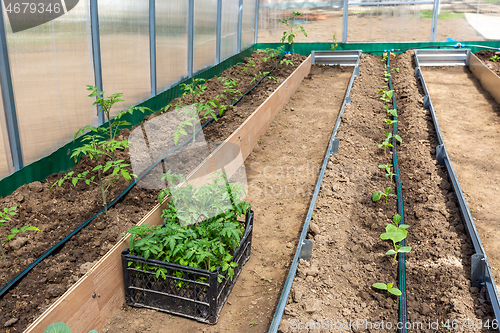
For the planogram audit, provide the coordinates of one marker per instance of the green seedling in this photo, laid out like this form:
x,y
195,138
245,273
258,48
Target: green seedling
x,y
385,144
286,62
387,75
396,232
60,328
495,58
334,44
5,216
390,122
248,66
387,96
389,287
395,69
252,324
272,53
273,78
291,29
258,76
377,195
387,168
206,244
193,89
102,150
116,124
398,248
230,92
392,112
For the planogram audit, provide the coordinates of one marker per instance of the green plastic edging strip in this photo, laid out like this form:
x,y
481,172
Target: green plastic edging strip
x,y
403,314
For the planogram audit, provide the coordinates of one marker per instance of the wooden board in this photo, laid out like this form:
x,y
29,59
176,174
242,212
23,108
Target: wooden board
x,y
77,307
489,80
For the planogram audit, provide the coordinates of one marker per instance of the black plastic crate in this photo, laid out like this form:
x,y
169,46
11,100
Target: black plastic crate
x,y
186,296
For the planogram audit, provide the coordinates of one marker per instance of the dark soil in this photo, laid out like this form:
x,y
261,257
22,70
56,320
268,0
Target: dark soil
x,y
485,57
58,211
438,267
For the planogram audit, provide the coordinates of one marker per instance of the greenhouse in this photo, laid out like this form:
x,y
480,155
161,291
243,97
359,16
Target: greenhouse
x,y
249,166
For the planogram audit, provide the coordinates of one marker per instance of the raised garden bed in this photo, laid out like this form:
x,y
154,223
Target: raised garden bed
x,y
103,307
335,288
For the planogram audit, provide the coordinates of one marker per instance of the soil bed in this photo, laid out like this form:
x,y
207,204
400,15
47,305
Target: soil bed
x,y
59,211
470,127
485,57
438,267
348,256
282,172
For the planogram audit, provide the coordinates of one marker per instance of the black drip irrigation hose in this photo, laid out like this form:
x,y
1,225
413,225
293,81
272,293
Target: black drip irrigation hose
x,y
403,314
120,196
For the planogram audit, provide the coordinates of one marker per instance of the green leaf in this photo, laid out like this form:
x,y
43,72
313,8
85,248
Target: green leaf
x,y
376,196
390,252
398,138
382,286
395,291
57,328
405,249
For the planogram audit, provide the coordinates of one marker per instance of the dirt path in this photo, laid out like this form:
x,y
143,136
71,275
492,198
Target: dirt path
x,y
469,119
282,172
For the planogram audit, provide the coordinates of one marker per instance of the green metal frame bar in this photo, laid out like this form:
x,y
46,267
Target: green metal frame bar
x,y
59,160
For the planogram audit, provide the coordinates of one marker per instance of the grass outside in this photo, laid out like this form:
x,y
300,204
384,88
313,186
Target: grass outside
x,y
427,13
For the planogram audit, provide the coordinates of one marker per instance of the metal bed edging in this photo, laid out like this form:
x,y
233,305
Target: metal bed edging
x,y
482,264
293,267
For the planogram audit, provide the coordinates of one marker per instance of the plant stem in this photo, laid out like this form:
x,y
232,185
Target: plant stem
x,y
103,192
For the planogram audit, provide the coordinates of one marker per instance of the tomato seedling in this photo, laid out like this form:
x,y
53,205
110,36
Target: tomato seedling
x,y
206,244
389,287
248,66
495,58
5,216
286,62
195,88
334,44
291,29
377,195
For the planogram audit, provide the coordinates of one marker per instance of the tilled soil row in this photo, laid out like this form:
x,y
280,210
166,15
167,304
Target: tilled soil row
x,y
438,267
333,291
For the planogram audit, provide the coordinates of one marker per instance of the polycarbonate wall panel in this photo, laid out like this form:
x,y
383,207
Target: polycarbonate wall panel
x,y
124,29
320,18
229,28
171,42
468,20
403,23
6,166
51,65
248,24
205,34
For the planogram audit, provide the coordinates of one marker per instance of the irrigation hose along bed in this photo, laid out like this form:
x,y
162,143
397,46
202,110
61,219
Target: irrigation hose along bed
x,y
332,149
401,256
21,275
